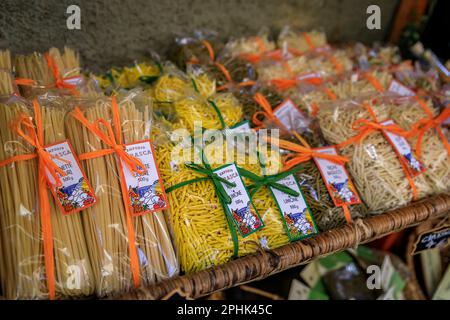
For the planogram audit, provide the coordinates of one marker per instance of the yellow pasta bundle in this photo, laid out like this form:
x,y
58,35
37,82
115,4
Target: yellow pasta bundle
x,y
385,177
219,111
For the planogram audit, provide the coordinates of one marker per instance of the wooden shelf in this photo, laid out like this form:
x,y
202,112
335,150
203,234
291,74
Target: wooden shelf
x,y
263,264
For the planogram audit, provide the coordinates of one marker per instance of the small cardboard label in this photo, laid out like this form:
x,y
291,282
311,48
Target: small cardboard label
x,y
75,193
400,89
337,179
404,151
146,191
290,116
295,213
241,209
434,238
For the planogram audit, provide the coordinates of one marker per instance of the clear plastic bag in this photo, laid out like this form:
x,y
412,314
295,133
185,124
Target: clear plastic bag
x,y
251,48
52,72
301,41
379,173
22,238
107,226
434,154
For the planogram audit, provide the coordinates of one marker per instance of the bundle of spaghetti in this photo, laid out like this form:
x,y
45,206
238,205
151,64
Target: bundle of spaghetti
x,y
433,152
22,263
301,41
6,79
378,173
52,71
107,226
219,111
200,227
74,275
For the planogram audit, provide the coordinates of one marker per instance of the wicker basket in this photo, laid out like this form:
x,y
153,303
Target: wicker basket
x,y
266,263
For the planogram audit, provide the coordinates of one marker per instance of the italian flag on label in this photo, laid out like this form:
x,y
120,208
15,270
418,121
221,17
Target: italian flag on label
x,y
404,152
337,179
241,209
295,213
76,192
145,191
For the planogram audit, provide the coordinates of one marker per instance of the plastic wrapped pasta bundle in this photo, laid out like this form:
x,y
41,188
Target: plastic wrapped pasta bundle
x,y
251,49
117,259
200,227
219,111
198,49
301,41
7,86
384,178
269,70
53,71
140,73
171,86
25,272
204,83
432,149
361,84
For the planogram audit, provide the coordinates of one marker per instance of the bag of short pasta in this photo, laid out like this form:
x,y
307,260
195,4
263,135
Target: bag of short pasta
x,y
139,74
386,172
129,244
206,232
43,189
427,138
53,71
200,48
278,197
252,49
300,42
216,112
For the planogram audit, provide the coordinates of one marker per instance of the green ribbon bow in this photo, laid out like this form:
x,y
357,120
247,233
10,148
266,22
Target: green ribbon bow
x,y
269,181
148,79
223,196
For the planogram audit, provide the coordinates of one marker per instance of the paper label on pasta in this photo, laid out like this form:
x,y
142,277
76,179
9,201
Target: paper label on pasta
x,y
290,116
145,191
400,89
295,213
241,209
75,192
337,179
404,152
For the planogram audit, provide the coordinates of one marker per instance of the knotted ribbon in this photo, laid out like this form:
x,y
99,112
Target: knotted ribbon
x,y
103,130
224,199
267,112
34,135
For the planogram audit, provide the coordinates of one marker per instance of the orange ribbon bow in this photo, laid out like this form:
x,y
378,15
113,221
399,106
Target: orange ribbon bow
x,y
284,84
365,127
35,136
266,113
423,125
114,141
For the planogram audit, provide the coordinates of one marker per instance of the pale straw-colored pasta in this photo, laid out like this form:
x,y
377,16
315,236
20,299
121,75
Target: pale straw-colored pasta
x,y
105,225
374,166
